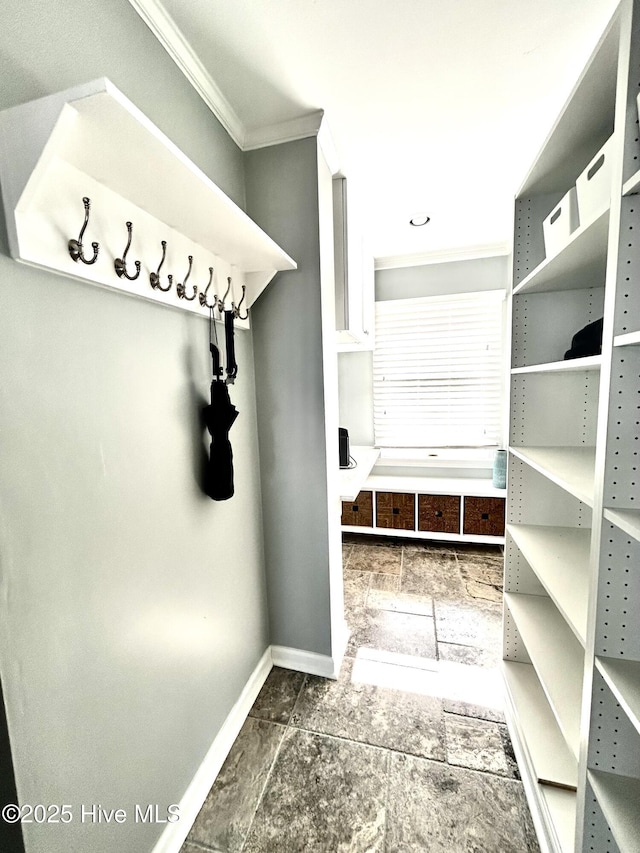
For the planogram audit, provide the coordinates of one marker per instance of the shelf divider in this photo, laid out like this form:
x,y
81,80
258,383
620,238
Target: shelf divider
x,y
571,468
572,365
580,264
627,340
559,556
623,679
619,797
627,520
550,756
557,657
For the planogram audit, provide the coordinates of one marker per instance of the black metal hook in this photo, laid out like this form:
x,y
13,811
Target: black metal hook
x,y
154,277
237,307
120,264
181,288
222,301
203,296
76,249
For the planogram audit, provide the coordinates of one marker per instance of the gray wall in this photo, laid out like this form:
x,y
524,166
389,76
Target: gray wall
x,y
282,197
355,378
132,608
438,279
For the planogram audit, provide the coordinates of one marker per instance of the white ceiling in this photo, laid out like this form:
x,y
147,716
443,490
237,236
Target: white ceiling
x,y
433,105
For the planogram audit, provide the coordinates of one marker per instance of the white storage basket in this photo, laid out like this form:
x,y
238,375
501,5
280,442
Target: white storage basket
x,y
594,184
560,224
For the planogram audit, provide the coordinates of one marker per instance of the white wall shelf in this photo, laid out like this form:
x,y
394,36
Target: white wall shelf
x,y
571,365
619,797
581,264
553,762
480,486
562,810
353,479
571,468
623,679
631,339
632,186
573,529
92,141
559,556
626,519
557,657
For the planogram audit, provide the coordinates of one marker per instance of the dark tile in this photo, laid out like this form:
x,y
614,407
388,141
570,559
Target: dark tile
x,y
446,809
428,547
278,695
386,631
476,744
356,585
468,655
475,550
225,817
324,794
380,558
482,575
469,709
433,573
476,624
358,708
390,583
510,755
400,602
188,847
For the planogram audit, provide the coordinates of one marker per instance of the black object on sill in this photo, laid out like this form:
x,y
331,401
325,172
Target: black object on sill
x,y
343,447
586,342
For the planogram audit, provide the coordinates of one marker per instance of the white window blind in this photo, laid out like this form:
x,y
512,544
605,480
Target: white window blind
x,y
437,371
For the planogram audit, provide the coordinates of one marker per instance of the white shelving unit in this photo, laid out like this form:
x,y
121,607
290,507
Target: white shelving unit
x,y
91,141
572,555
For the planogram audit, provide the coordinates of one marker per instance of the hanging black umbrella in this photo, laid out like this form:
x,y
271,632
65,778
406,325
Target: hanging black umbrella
x,y
219,418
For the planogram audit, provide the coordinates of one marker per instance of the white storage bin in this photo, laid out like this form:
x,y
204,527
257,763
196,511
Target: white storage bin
x,y
560,224
594,184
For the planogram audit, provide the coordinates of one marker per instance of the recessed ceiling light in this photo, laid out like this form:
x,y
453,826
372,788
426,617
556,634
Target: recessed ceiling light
x,y
419,219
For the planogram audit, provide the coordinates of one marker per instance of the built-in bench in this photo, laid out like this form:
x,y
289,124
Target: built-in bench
x,y
455,509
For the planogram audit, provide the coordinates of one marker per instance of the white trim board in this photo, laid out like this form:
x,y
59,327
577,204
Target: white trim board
x,y
465,253
165,30
303,661
168,34
175,834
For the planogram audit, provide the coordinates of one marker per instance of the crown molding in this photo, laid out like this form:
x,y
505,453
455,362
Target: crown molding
x,y
468,253
170,37
166,31
284,131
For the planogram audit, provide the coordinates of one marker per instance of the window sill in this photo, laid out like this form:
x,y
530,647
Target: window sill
x,y
437,457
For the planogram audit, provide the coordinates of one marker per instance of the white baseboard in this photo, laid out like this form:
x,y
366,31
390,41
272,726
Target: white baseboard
x,y
310,662
175,834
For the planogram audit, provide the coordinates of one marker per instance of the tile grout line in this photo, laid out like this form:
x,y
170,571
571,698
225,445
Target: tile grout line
x,y
386,801
268,776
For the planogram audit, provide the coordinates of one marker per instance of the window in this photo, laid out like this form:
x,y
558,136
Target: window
x,y
437,371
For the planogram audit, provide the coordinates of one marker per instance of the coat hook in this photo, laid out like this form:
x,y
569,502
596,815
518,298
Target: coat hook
x,y
221,302
181,288
154,277
237,308
203,296
76,249
120,264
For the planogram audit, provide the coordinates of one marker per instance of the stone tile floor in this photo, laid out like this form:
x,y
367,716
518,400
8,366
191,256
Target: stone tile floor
x,y
408,749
